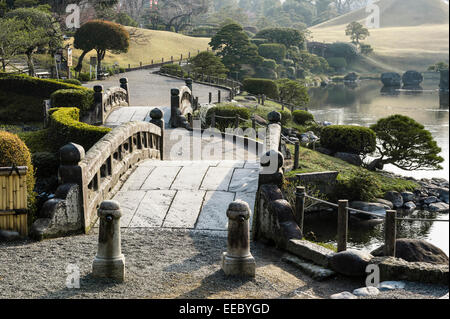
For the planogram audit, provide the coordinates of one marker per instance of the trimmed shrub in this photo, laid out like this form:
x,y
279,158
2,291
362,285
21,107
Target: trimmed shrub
x,y
361,186
348,138
266,73
344,50
24,84
82,99
172,69
19,108
226,111
286,117
72,81
258,41
302,117
269,64
273,51
261,86
288,62
84,77
46,164
337,63
65,128
13,151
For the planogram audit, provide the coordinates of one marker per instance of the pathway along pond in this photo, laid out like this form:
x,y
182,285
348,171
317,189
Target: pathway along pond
x,y
364,104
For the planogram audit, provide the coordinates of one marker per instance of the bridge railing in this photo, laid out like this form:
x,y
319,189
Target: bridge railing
x,y
88,179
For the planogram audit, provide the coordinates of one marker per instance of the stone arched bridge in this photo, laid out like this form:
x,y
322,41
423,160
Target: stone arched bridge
x,y
163,173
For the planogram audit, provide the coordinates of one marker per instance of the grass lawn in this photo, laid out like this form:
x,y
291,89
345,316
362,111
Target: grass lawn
x,y
312,161
152,45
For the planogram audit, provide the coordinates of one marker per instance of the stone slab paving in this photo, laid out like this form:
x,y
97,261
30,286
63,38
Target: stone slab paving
x,y
186,194
134,113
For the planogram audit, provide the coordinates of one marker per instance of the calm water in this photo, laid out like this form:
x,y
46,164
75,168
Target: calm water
x,y
364,104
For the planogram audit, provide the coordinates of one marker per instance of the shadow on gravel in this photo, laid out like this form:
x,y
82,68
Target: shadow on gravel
x,y
88,285
214,284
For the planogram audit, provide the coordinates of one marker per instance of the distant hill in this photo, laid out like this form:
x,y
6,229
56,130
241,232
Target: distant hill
x,y
413,34
398,13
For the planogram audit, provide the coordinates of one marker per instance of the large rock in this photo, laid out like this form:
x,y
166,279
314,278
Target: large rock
x,y
443,194
438,207
7,235
407,196
351,77
350,158
351,262
415,250
375,208
385,202
409,206
412,78
391,79
395,198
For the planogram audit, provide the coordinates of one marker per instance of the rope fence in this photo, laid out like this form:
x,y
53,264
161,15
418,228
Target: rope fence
x,y
390,220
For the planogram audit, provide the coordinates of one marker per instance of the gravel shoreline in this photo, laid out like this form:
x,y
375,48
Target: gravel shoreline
x,y
166,264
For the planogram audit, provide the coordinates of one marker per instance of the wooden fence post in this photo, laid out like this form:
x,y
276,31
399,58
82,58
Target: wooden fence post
x,y
342,231
300,206
253,123
390,229
210,97
296,154
218,96
236,121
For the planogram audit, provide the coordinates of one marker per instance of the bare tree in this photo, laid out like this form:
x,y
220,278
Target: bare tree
x,y
179,13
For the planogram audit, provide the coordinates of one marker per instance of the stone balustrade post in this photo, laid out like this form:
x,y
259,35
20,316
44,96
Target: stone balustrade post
x,y
219,93
300,193
157,118
238,260
109,262
98,103
210,97
124,85
174,106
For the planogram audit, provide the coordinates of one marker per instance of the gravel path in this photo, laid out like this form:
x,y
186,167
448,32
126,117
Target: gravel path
x,y
148,89
164,264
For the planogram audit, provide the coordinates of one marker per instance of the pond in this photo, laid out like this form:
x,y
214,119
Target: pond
x,y
363,104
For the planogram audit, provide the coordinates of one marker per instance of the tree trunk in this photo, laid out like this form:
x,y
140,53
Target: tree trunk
x,y
79,66
30,63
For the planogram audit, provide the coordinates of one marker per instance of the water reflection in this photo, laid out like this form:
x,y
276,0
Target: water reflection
x,y
369,101
362,236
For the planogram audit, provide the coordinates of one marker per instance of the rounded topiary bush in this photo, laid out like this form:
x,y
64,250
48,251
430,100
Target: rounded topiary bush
x,y
228,114
261,86
80,98
273,51
13,151
302,117
348,138
286,116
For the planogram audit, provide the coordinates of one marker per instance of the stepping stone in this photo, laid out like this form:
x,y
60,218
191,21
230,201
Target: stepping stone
x,y
366,291
391,285
314,271
185,208
343,295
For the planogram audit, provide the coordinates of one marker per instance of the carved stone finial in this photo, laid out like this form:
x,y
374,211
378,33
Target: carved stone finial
x,y
71,154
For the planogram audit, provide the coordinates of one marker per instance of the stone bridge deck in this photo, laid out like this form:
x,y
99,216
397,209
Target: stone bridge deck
x,y
186,194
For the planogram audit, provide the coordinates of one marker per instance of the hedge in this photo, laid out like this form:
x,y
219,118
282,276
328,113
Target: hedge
x,y
82,99
269,63
337,63
226,111
65,128
72,81
261,86
302,117
172,69
272,51
348,138
286,117
24,84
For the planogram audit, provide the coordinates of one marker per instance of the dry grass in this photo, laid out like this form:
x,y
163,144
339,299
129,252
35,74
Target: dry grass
x,y
154,45
399,45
